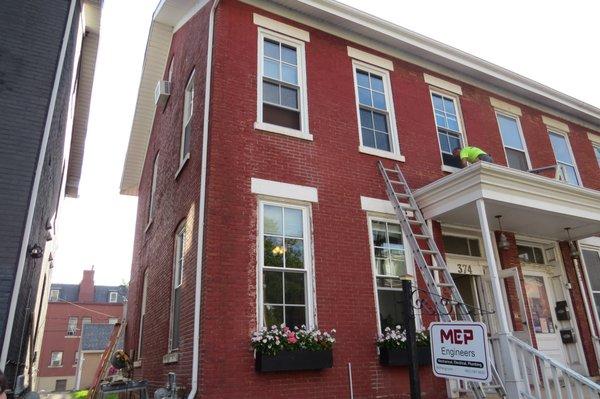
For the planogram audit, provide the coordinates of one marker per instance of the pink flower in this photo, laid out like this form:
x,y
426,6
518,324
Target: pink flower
x,y
291,338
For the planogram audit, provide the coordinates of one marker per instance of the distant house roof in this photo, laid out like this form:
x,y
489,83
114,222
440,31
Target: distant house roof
x,y
70,292
67,292
96,337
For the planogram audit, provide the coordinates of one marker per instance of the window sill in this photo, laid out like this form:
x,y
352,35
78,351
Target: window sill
x,y
382,154
148,226
55,367
450,169
72,336
169,358
182,164
267,127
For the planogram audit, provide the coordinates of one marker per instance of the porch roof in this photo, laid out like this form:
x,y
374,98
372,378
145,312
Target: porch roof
x,y
529,204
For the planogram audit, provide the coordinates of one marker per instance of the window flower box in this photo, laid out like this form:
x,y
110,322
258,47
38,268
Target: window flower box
x,y
294,360
399,356
285,349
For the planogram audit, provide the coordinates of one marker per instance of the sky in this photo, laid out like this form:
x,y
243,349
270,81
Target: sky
x,y
552,42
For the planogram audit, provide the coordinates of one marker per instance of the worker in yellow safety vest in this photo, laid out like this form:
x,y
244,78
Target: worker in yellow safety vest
x,y
471,155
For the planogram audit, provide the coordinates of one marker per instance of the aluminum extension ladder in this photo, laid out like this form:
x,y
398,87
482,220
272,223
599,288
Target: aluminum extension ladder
x,y
398,191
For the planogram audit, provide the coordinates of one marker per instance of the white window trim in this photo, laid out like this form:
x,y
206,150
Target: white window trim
x,y
311,305
594,138
151,203
566,136
181,230
468,237
52,298
60,364
395,154
280,27
110,297
410,269
463,131
520,129
183,157
72,329
506,107
142,315
259,125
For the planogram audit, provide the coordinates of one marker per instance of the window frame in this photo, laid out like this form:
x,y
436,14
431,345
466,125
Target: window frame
x,y
463,131
60,359
50,296
110,297
187,100
467,237
304,132
588,284
72,327
532,246
521,135
151,201
178,255
395,152
410,267
142,315
310,299
596,149
568,142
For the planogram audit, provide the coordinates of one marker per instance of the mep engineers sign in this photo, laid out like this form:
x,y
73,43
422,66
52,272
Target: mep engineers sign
x,y
460,350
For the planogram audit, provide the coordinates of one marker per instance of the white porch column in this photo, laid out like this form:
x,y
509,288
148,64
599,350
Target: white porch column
x,y
509,357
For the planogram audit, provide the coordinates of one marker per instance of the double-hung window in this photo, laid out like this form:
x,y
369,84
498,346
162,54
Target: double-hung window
x,y
72,326
282,104
389,264
113,297
514,144
188,111
591,260
54,295
597,152
56,359
177,283
152,189
142,316
564,158
285,265
447,121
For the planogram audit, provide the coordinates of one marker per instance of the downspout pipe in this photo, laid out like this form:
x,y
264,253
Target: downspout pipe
x,y
35,187
202,210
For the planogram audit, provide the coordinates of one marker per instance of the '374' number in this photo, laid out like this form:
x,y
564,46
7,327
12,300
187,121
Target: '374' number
x,y
464,269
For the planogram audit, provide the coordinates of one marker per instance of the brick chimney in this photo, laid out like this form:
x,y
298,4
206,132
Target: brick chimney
x,y
86,287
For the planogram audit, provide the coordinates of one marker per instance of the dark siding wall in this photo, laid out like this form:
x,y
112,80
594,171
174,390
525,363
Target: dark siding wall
x,y
32,33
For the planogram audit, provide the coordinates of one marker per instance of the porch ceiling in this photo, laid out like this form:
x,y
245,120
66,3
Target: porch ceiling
x,y
529,204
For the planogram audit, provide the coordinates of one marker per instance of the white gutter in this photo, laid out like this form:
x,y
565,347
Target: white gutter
x,y
35,188
198,294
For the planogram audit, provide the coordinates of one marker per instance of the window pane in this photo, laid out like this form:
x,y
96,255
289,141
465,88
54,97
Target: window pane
x,y
561,150
449,107
516,159
539,305
273,287
592,266
597,302
538,255
175,321
438,104
294,253
186,138
366,118
380,122
525,253
383,141
295,316
271,49
571,175
440,119
454,142
597,152
273,220
451,160
273,251
379,100
293,222
510,132
364,96
289,74
377,83
452,123
288,54
362,79
474,247
271,69
456,245
273,315
389,282
271,93
444,145
289,97
294,288
368,137
281,116
390,308
379,239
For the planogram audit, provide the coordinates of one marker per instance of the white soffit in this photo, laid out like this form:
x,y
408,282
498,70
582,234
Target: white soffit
x,y
442,84
280,27
554,124
289,191
506,107
370,58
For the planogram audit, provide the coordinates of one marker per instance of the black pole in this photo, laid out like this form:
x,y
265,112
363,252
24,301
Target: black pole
x,y
411,339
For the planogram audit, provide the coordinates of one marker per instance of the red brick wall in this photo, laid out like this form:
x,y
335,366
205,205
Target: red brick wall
x,y
86,287
55,333
331,162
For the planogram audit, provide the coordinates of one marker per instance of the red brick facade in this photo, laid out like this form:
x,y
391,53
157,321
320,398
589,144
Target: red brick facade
x,y
332,163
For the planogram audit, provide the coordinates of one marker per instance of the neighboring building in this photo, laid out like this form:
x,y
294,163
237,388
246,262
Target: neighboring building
x,y
304,97
47,68
70,308
94,340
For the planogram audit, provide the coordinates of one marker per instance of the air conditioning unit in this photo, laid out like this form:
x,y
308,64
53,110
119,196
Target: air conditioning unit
x,y
162,92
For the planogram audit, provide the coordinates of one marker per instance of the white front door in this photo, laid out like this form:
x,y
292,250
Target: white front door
x,y
540,297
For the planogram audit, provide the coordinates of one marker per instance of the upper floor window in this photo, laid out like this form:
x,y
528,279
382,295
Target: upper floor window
x,y
142,316
514,144
447,121
285,266
564,158
531,254
54,295
597,152
188,111
170,73
282,85
113,296
86,320
72,326
461,245
153,189
378,134
113,320
177,282
56,359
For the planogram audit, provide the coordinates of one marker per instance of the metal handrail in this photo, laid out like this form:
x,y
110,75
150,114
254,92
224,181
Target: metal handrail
x,y
567,372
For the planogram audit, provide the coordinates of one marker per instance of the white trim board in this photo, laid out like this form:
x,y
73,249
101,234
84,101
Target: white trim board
x,y
442,84
280,27
378,205
594,138
506,107
283,190
370,58
553,123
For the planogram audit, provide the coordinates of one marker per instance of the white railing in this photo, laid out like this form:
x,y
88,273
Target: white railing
x,y
545,378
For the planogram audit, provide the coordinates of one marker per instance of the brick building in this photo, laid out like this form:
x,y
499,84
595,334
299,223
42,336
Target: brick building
x,y
48,60
303,98
70,307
